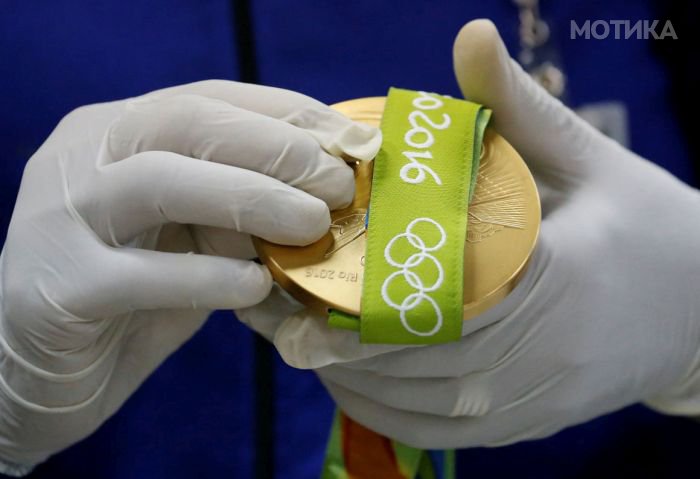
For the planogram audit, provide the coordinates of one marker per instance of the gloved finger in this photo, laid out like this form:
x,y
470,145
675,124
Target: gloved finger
x,y
305,341
336,133
213,130
503,385
266,317
301,336
428,431
137,279
472,395
549,135
154,188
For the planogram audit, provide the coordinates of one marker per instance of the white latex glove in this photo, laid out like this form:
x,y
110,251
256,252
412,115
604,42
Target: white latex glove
x,y
607,314
89,309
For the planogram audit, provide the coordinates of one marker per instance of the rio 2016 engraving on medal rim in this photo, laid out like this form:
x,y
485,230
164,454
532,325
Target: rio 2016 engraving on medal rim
x,y
503,224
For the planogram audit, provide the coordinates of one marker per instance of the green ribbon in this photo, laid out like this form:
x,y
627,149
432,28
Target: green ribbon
x,y
423,178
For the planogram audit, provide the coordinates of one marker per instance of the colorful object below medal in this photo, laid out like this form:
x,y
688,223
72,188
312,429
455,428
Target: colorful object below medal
x,y
355,452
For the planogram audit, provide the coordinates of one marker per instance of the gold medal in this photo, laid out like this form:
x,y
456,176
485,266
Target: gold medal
x,y
503,224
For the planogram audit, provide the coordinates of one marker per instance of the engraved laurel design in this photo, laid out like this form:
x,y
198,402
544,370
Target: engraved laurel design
x,y
498,201
346,229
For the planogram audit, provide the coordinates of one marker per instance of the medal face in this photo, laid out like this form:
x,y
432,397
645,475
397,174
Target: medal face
x,y
503,224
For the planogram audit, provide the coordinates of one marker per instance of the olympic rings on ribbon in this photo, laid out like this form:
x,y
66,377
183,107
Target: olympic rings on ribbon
x,y
413,300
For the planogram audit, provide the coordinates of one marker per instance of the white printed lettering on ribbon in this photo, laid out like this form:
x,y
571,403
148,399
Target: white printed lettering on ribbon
x,y
421,137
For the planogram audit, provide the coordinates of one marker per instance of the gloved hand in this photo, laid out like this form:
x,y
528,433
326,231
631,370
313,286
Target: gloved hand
x,y
103,274
607,314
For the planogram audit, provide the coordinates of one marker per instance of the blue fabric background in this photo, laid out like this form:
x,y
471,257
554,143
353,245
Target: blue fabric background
x,y
193,417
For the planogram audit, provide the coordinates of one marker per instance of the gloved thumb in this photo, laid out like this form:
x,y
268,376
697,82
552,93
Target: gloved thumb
x,y
548,134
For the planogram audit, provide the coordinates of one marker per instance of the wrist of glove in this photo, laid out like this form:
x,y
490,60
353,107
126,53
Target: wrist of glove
x,y
42,411
133,223
606,315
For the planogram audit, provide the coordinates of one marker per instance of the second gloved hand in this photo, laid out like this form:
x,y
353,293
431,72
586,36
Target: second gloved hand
x,y
132,224
607,314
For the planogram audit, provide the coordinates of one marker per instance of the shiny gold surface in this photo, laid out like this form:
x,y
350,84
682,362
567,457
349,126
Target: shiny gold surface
x,y
503,223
